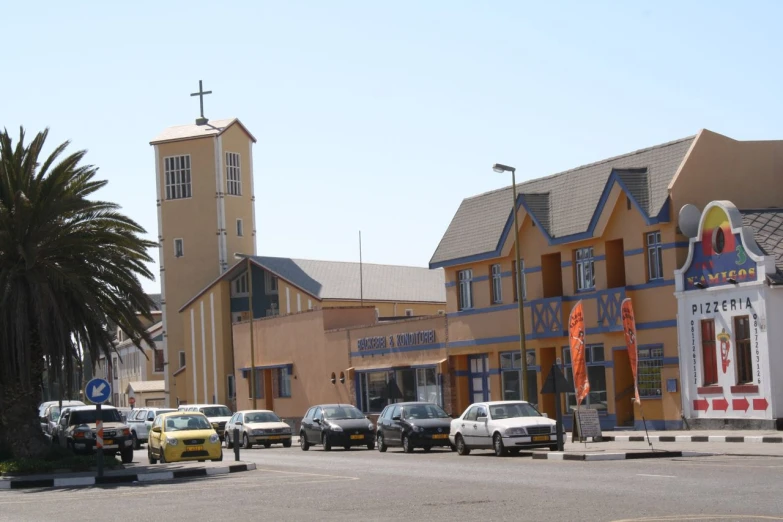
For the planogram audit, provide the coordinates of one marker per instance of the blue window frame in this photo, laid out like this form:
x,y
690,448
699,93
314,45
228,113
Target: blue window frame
x,y
596,373
478,377
649,371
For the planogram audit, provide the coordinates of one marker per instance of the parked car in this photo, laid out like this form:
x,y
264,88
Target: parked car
x,y
140,422
217,414
258,427
413,425
124,413
503,426
76,430
46,425
183,435
336,425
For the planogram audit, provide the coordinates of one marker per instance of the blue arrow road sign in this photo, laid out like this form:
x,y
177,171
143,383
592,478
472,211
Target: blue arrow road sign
x,y
98,390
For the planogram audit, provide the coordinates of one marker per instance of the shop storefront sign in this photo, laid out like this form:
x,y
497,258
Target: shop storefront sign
x,y
400,340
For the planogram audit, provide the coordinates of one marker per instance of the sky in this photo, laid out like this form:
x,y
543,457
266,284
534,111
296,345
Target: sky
x,y
383,117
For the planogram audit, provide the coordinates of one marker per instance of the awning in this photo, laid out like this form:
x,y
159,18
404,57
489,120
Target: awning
x,y
288,365
399,366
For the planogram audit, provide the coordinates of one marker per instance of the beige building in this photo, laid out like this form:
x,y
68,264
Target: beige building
x,y
204,182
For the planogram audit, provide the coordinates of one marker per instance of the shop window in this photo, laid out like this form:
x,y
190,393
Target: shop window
x,y
585,268
465,289
650,364
495,273
283,382
259,383
552,275
654,256
230,388
511,376
427,385
596,373
709,357
379,389
742,349
615,264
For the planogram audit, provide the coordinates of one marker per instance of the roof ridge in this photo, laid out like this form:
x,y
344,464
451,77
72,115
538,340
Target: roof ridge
x,y
587,165
343,262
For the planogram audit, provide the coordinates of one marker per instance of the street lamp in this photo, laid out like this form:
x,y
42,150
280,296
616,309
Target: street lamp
x,y
252,344
498,167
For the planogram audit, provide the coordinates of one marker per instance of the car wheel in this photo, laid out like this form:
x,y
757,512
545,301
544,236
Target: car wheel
x,y
326,442
347,447
382,443
462,449
427,449
127,456
267,445
303,442
287,444
228,442
150,458
407,447
497,445
162,456
553,447
453,447
246,442
136,443
371,445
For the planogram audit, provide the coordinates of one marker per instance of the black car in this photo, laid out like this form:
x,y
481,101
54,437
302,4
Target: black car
x,y
336,425
413,425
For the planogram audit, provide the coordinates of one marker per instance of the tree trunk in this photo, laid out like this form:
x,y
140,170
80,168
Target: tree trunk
x,y
21,428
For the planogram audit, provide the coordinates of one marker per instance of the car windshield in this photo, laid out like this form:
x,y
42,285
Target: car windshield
x,y
513,410
424,411
342,412
261,417
163,411
187,422
216,411
90,416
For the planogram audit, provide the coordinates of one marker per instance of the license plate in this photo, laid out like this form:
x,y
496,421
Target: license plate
x,y
540,438
106,442
194,448
274,437
357,436
440,436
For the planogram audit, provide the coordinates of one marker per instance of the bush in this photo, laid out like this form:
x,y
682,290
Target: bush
x,y
57,459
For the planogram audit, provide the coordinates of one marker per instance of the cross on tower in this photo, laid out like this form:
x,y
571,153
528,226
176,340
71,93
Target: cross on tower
x,y
201,93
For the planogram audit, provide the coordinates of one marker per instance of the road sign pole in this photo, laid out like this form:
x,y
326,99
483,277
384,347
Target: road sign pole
x,y
99,439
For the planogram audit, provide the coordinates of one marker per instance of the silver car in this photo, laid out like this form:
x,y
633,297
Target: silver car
x,y
257,427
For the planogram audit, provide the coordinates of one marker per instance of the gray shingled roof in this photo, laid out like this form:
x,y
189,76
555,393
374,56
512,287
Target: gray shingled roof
x,y
571,197
155,302
767,225
340,280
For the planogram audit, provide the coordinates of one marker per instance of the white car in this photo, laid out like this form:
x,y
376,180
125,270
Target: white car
x,y
217,414
140,422
258,427
503,426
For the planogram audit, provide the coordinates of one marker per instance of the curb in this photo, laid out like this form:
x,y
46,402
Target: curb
x,y
693,438
559,455
124,479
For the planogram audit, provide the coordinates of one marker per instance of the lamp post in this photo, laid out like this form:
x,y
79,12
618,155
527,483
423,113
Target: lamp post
x,y
498,167
252,344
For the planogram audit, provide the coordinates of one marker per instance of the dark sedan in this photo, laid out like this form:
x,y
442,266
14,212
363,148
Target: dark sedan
x,y
336,425
413,425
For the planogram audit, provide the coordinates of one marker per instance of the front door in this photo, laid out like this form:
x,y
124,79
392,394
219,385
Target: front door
x,y
623,388
478,369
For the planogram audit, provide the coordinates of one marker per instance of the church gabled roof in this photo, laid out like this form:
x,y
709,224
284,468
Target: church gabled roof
x,y
192,131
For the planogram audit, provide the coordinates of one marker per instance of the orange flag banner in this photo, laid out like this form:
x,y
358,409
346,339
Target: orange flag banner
x,y
629,328
576,334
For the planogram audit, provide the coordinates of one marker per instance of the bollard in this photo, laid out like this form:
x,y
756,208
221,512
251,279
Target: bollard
x,y
99,439
235,438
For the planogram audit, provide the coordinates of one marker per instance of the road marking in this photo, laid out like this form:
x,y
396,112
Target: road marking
x,y
648,475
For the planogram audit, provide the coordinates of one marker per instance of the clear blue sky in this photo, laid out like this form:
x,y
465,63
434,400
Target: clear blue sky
x,y
384,117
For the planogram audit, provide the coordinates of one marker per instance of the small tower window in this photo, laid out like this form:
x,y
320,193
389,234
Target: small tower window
x,y
179,248
240,228
233,176
176,170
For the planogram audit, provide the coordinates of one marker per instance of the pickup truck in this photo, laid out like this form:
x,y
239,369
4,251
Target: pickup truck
x,y
140,422
76,430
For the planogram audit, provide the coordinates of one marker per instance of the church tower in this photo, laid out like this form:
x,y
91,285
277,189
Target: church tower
x,y
204,181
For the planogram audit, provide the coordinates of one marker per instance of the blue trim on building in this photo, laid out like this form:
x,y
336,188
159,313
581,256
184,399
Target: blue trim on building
x,y
461,373
484,341
508,274
449,284
671,360
633,252
402,349
531,270
652,284
654,325
565,264
474,311
614,178
478,279
599,258
290,367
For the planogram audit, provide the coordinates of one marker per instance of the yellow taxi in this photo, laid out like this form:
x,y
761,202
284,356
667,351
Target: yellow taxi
x,y
180,436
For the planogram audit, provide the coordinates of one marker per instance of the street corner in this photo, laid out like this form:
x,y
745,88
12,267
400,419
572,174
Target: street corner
x,y
593,455
130,476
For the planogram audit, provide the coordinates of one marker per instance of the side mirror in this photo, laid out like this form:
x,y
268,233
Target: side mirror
x,y
396,418
156,429
238,423
545,415
481,419
317,421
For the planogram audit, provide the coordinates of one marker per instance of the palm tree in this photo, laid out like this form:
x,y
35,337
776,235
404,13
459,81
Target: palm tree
x,y
69,266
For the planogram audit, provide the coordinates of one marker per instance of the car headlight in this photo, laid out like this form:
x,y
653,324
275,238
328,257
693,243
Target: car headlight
x,y
257,432
554,428
416,428
512,432
215,425
287,430
335,427
171,441
370,427
214,438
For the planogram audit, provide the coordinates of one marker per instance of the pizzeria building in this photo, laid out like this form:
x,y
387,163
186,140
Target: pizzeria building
x,y
729,295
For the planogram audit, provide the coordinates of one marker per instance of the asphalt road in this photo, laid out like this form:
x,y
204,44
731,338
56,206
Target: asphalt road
x,y
366,485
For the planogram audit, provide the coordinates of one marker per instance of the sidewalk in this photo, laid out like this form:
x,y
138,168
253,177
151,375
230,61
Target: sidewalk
x,y
132,473
727,436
